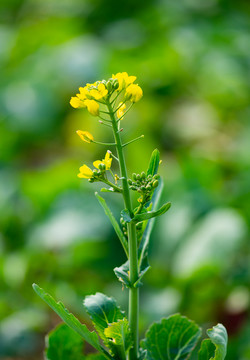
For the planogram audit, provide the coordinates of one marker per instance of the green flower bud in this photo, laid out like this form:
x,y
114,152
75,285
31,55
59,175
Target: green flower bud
x,y
143,175
156,176
130,182
143,187
134,176
138,177
148,187
155,183
102,167
96,172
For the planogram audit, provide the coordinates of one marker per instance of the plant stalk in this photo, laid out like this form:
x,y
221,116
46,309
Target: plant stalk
x,y
132,243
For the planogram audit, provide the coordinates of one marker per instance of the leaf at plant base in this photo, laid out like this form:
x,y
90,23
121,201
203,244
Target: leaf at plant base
x,y
89,336
154,163
64,343
218,336
118,338
113,221
151,214
207,350
102,310
172,339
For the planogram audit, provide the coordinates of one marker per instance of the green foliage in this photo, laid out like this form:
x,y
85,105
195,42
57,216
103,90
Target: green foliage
x,y
71,320
214,348
173,338
63,343
102,310
114,223
154,163
151,214
118,338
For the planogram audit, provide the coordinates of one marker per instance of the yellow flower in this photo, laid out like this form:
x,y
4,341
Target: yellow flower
x,y
124,80
76,103
85,172
133,93
106,161
92,106
121,110
99,92
83,93
85,136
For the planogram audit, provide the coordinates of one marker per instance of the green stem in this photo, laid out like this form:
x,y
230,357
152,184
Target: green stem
x,y
132,243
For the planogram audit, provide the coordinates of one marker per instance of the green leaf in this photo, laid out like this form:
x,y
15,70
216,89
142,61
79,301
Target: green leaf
x,y
207,350
95,357
118,338
122,274
71,320
151,214
143,248
154,163
63,343
126,215
102,310
113,221
218,336
172,339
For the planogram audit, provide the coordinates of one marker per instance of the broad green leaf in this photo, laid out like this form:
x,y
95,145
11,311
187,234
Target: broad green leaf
x,y
207,350
151,214
113,221
95,357
172,339
118,338
218,336
154,163
64,343
89,336
102,310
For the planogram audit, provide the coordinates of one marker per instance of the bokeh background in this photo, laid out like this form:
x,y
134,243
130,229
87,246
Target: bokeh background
x,y
191,58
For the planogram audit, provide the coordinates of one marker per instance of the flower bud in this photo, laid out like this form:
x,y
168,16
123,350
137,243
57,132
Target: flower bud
x,y
148,187
134,176
143,175
155,183
138,177
102,167
130,181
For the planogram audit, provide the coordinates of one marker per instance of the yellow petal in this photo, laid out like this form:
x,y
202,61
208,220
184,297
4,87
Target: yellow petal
x,y
85,136
121,110
92,106
97,163
85,172
76,103
133,93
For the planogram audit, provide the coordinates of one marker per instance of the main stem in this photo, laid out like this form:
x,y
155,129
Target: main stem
x,y
132,244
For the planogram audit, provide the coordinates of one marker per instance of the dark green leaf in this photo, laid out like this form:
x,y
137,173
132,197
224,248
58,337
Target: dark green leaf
x,y
218,336
102,310
172,339
113,221
207,350
154,163
126,215
64,343
151,214
71,320
118,338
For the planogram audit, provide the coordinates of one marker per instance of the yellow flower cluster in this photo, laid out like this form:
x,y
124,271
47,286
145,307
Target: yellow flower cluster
x,y
87,173
92,94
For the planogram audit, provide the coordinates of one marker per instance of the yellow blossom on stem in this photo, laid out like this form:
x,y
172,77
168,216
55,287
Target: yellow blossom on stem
x,y
98,93
133,93
124,80
85,136
92,106
121,110
106,161
76,103
85,172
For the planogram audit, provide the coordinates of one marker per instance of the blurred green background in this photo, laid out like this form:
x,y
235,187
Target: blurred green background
x,y
191,58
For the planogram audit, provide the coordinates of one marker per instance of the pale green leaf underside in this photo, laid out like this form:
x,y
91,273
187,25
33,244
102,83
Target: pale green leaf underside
x,y
102,310
172,339
71,320
64,343
218,335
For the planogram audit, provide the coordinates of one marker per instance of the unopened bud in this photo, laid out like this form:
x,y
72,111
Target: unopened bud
x,y
155,183
138,177
102,167
143,175
134,176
